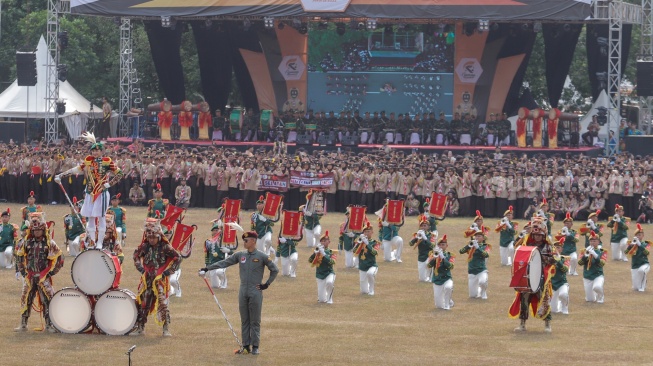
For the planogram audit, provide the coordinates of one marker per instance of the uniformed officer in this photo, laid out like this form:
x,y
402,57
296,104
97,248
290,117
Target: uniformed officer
x,y
250,298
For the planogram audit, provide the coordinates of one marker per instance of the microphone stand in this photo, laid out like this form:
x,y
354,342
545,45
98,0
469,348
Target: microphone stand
x,y
129,354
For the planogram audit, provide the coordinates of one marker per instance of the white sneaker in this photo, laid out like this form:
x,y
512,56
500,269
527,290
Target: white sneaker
x,y
399,261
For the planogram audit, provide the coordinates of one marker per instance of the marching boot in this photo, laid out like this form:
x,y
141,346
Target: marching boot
x,y
522,326
140,330
547,326
23,325
166,332
48,326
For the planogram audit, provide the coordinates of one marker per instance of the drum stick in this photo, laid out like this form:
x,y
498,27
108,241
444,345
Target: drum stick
x,y
69,201
223,314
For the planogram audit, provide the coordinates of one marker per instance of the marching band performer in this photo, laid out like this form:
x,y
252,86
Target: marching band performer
x,y
433,221
476,226
156,260
507,228
593,259
214,253
591,225
346,243
31,207
312,227
38,259
424,240
639,249
287,251
111,238
323,259
263,228
120,217
389,236
568,237
74,230
523,235
8,236
366,251
619,234
97,170
477,275
157,204
560,286
442,263
538,303
543,212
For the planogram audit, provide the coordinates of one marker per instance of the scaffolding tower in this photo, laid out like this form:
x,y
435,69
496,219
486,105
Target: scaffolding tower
x,y
55,8
126,63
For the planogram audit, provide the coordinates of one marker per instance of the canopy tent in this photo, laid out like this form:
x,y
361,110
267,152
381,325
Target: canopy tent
x,y
30,102
615,118
504,10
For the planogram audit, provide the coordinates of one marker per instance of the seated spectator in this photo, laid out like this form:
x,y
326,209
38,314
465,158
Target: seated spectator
x,y
136,195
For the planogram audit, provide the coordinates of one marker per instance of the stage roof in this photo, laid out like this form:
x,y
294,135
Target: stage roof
x,y
493,10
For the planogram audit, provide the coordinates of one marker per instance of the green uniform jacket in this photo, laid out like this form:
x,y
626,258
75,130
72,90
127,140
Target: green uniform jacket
x,y
7,236
73,227
212,253
477,264
121,217
261,227
596,231
592,267
310,222
424,247
570,243
622,230
507,235
286,249
155,205
444,269
345,242
388,232
370,257
326,265
560,277
433,223
640,257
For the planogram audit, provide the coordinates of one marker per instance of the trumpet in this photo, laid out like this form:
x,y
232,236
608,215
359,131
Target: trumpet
x,y
564,231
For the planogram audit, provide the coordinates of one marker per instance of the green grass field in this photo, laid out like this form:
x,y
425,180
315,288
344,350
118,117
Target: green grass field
x,y
399,325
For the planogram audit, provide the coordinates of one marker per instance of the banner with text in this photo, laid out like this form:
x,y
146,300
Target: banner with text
x,y
310,179
275,183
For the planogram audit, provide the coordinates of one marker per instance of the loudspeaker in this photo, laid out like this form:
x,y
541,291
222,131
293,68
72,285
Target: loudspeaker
x,y
645,78
26,68
304,139
326,140
351,140
12,131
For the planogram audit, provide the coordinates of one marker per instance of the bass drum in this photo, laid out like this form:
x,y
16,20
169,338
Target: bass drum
x,y
116,312
95,271
70,311
527,271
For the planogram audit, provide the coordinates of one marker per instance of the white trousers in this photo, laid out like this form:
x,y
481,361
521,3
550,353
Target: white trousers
x,y
313,236
388,254
101,229
639,277
367,280
423,272
560,300
6,257
325,289
478,285
594,289
121,236
351,261
573,264
618,250
218,278
507,253
74,246
175,287
264,245
442,295
289,265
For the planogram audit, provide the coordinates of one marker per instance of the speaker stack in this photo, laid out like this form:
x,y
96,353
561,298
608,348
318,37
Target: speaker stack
x,y
26,68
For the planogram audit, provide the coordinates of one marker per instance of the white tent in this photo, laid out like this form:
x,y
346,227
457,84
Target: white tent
x,y
29,102
615,118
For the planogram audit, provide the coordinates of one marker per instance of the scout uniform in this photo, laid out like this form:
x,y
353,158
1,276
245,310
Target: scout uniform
x,y
639,249
323,259
442,263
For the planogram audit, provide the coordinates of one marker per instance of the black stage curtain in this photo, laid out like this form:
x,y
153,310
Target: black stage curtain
x,y
215,62
520,40
559,45
597,38
165,46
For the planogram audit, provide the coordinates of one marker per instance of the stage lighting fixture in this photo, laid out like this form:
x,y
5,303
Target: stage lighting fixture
x,y
341,29
166,21
62,72
537,27
63,40
281,25
268,22
469,28
360,26
602,116
483,25
371,24
61,106
303,28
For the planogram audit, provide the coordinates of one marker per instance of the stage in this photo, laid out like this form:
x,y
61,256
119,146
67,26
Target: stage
x,y
425,149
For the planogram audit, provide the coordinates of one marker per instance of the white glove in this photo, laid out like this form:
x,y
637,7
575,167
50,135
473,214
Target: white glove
x,y
219,223
587,253
107,185
426,214
590,223
615,217
308,213
57,179
504,221
594,254
474,227
385,223
262,218
441,254
18,276
201,273
224,250
475,243
124,236
636,242
508,225
564,231
282,240
321,250
365,240
350,234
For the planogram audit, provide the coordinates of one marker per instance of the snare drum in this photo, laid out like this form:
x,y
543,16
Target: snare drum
x,y
95,271
527,272
70,310
116,312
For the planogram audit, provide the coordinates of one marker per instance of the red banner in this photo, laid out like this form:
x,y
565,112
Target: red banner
x,y
275,183
356,219
438,204
273,206
395,212
181,236
231,214
172,214
291,226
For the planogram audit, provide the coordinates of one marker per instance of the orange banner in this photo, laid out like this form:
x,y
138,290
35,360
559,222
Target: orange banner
x,y
258,69
294,44
438,204
467,47
503,76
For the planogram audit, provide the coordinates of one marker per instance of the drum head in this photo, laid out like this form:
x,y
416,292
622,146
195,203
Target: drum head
x,y
70,311
535,271
116,312
93,271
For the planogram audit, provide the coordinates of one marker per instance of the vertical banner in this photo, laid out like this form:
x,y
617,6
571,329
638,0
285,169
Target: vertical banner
x,y
395,212
272,207
231,214
438,204
236,120
293,47
467,58
266,121
356,219
291,225
258,69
